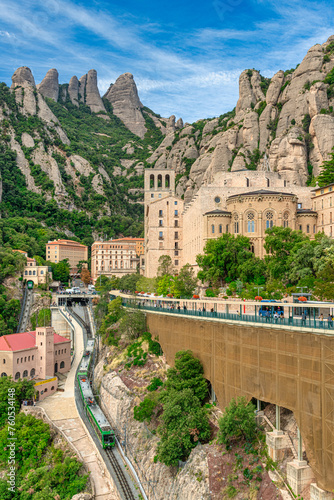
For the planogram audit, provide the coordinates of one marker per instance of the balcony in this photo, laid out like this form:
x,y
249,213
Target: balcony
x,y
161,238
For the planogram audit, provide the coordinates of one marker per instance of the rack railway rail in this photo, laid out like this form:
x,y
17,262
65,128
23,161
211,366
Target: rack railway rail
x,y
120,475
93,412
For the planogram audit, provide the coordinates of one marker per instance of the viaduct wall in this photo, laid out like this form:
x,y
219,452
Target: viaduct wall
x,y
285,367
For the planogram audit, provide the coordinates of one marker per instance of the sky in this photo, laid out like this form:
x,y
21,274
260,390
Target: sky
x,y
186,56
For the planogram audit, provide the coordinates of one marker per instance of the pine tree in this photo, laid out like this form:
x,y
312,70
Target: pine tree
x,y
327,174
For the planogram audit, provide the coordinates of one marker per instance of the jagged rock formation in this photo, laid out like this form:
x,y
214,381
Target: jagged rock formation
x,y
73,90
49,86
287,119
22,76
123,96
91,92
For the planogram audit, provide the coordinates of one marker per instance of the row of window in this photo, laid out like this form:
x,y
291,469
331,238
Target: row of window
x,y
63,351
176,223
251,226
322,202
25,359
32,273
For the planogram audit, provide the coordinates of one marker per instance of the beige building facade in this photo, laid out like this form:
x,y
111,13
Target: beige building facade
x,y
38,274
66,249
116,257
242,202
163,220
323,203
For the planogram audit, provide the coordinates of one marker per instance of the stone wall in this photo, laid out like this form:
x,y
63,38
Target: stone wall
x,y
281,366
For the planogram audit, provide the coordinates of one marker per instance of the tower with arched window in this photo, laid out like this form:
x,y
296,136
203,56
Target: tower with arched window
x,y
163,220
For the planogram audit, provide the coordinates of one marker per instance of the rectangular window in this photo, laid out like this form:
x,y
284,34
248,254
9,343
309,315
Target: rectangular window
x,y
161,236
176,263
152,195
307,228
160,223
213,229
176,213
175,202
313,228
300,227
176,223
176,253
176,235
299,205
160,213
176,245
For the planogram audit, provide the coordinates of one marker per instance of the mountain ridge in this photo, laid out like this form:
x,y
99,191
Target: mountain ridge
x,y
84,154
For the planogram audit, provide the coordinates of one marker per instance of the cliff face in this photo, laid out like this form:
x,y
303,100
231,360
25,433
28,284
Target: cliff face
x,y
284,124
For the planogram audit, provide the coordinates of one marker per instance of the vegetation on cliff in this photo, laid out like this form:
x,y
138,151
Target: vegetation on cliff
x,y
293,260
42,470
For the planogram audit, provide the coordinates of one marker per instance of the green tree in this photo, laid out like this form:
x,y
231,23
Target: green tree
x,y
11,263
167,284
223,257
184,424
238,422
327,173
186,281
24,389
115,310
280,244
60,271
186,374
165,265
133,324
129,282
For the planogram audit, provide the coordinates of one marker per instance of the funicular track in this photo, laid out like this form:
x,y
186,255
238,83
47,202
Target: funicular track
x,y
120,476
122,481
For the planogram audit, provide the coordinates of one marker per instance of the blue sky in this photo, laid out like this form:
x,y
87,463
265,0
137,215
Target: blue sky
x,y
186,56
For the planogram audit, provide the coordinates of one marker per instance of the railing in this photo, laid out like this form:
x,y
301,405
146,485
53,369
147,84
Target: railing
x,y
308,323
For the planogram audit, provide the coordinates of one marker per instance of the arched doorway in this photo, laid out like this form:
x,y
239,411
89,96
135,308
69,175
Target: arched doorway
x,y
56,367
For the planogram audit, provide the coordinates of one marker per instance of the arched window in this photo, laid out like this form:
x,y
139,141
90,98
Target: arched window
x,y
250,222
53,388
32,372
212,228
220,228
3,374
167,181
286,219
252,247
25,374
17,375
268,182
247,182
236,223
159,181
151,181
269,220
227,228
62,364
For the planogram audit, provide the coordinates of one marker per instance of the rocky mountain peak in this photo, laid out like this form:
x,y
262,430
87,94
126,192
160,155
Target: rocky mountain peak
x,y
123,95
93,98
73,90
49,86
21,76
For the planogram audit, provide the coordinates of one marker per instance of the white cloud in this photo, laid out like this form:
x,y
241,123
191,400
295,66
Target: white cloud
x,y
195,75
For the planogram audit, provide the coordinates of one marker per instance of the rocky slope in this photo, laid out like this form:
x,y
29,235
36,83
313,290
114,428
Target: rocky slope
x,y
87,153
284,124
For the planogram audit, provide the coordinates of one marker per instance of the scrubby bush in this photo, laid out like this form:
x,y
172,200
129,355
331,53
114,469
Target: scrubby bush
x,y
238,422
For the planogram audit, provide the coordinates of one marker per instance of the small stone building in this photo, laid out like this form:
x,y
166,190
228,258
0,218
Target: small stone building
x,y
36,355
